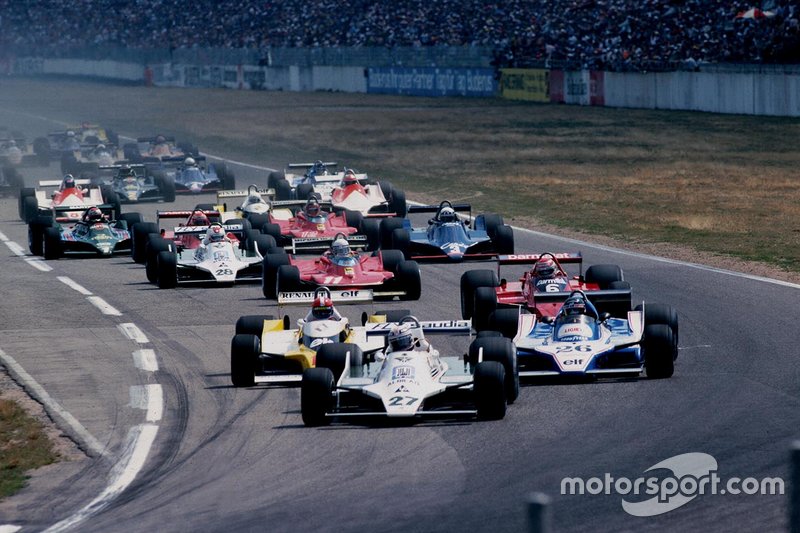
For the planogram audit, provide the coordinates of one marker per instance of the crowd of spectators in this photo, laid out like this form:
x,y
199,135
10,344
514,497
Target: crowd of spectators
x,y
600,34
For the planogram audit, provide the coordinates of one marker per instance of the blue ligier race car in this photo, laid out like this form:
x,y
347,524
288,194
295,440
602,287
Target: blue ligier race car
x,y
448,237
580,341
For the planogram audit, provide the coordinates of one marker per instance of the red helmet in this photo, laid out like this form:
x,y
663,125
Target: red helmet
x,y
545,267
93,214
199,219
322,308
349,177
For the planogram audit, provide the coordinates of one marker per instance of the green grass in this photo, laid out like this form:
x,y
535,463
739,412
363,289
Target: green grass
x,y
23,447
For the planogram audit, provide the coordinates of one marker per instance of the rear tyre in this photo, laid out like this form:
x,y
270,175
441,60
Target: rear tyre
x,y
30,208
316,396
387,226
252,324
269,273
304,191
334,356
258,219
168,188
492,221
501,350
272,229
603,275
485,304
25,192
470,281
36,231
505,320
155,245
353,219
659,351
245,351
263,244
489,388
503,240
661,314
371,230
409,280
167,270
287,279
398,204
139,234
400,240
283,191
130,219
391,259
274,178
52,243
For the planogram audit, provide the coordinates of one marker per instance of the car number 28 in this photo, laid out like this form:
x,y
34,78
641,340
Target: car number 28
x,y
224,272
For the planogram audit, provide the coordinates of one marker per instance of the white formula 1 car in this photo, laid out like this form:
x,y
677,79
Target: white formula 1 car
x,y
410,380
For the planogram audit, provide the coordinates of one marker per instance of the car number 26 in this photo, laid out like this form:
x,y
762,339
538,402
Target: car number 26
x,y
566,348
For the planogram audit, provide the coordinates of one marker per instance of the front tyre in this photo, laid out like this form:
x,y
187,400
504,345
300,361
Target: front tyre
x,y
316,396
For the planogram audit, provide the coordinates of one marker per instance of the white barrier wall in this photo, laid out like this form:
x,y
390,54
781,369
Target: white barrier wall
x,y
100,69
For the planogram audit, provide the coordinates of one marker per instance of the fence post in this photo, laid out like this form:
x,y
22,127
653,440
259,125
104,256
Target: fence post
x,y
538,513
794,488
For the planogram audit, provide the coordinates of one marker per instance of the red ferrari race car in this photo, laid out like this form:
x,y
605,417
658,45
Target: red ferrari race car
x,y
542,289
312,230
387,273
183,236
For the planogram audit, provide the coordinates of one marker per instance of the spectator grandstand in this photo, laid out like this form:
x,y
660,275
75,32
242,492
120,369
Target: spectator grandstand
x,y
594,34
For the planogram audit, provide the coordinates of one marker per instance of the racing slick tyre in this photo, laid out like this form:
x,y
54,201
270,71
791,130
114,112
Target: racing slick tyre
x,y
41,147
113,137
132,153
316,396
258,219
167,187
304,191
252,324
139,236
269,273
36,231
69,164
274,230
370,228
470,281
111,198
661,314
492,221
502,351
130,219
484,304
287,279
274,178
30,208
398,203
505,320
489,389
228,179
13,177
603,275
409,280
387,226
387,189
283,191
167,270
334,356
487,333
155,245
659,351
25,192
263,244
503,240
393,315
245,350
400,240
52,243
391,259
353,218
248,240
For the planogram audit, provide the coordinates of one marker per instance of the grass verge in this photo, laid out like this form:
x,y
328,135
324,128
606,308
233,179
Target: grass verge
x,y
23,446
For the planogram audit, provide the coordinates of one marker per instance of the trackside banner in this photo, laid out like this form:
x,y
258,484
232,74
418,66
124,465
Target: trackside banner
x,y
429,81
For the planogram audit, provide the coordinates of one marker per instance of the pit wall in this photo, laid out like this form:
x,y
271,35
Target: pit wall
x,y
752,93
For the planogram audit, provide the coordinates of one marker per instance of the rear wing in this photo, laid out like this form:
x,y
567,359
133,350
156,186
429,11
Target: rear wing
x,y
435,208
182,158
244,193
57,183
184,214
354,296
153,139
523,259
118,165
316,244
201,230
428,326
309,165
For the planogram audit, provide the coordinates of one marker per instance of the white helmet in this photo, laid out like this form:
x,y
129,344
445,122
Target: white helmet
x,y
447,214
215,233
401,338
190,162
340,247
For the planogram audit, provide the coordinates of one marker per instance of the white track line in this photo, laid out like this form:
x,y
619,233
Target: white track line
x,y
140,441
3,237
131,331
16,248
74,285
9,529
38,264
145,360
104,307
87,440
149,398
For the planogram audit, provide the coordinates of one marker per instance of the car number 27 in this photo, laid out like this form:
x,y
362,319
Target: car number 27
x,y
397,401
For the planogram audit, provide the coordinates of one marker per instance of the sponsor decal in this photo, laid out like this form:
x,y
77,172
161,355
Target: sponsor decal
x,y
572,330
319,342
403,372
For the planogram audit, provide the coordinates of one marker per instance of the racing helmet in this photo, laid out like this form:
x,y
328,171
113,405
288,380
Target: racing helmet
x,y
189,162
340,247
318,168
126,171
322,308
349,177
70,133
199,219
574,305
253,198
545,268
160,139
68,182
100,147
215,233
93,214
312,208
447,214
400,338
11,144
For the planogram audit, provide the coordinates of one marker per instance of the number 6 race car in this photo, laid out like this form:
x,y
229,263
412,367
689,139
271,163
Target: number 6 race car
x,y
411,378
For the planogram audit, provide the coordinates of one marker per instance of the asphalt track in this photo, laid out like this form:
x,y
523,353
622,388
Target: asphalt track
x,y
225,459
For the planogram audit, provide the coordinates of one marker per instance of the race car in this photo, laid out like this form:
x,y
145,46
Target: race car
x,y
86,160
94,234
200,216
580,340
367,197
67,202
320,175
386,272
543,287
156,148
448,237
267,350
71,140
134,183
223,256
255,205
16,152
311,229
193,175
410,378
